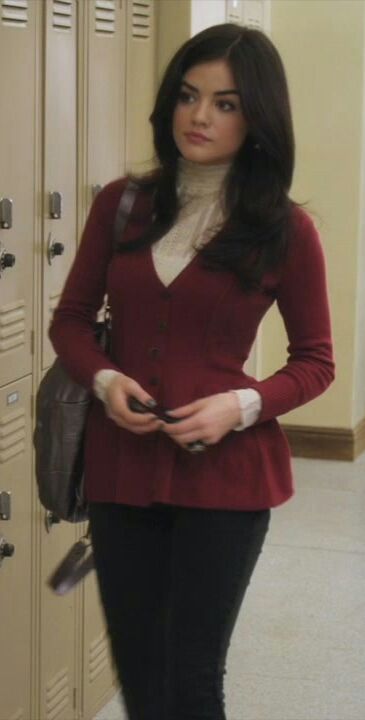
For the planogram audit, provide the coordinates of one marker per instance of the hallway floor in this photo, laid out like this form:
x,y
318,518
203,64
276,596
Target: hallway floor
x,y
298,649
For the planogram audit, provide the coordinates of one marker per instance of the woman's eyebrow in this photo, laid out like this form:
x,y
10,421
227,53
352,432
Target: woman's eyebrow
x,y
219,92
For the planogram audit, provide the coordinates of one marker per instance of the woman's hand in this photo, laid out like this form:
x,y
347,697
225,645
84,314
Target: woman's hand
x,y
120,388
207,419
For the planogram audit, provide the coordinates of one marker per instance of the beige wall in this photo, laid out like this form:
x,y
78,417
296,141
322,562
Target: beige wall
x,y
359,384
322,45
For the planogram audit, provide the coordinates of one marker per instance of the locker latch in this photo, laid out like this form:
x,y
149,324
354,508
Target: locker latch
x,y
5,505
51,519
6,213
6,549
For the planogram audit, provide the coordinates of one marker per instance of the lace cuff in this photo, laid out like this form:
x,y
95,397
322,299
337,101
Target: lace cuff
x,y
250,403
102,380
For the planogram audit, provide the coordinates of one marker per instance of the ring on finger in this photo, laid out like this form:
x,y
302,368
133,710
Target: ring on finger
x,y
196,446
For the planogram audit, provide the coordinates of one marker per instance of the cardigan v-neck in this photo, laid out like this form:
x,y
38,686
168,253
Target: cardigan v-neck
x,y
201,213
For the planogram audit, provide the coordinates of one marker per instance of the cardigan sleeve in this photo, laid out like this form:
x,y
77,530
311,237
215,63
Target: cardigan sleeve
x,y
303,303
71,331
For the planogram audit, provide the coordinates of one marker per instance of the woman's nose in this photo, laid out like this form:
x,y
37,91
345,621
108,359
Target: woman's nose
x,y
201,114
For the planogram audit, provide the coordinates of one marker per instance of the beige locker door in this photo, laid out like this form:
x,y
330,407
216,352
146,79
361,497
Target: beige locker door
x,y
141,79
106,80
17,182
57,614
57,629
98,676
104,83
58,626
60,94
15,571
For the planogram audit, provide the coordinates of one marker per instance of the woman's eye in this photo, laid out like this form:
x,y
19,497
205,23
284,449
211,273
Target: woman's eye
x,y
185,97
226,106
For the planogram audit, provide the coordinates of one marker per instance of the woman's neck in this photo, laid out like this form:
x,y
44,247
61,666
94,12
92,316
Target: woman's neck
x,y
200,180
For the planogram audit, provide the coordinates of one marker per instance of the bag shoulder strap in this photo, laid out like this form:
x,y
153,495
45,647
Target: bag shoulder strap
x,y
123,212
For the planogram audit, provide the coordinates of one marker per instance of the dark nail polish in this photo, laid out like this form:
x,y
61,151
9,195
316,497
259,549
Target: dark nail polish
x,y
151,403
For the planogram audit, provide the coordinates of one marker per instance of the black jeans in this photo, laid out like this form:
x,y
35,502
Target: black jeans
x,y
172,581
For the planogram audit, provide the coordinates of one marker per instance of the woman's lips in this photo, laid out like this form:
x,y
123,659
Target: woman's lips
x,y
196,138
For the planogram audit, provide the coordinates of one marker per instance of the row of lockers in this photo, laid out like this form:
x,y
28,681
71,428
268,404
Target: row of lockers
x,y
65,130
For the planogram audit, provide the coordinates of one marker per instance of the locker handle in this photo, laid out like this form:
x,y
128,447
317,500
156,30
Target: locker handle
x,y
54,248
6,213
7,260
6,549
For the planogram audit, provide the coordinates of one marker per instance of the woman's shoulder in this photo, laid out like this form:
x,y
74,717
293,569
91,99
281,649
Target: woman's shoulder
x,y
301,221
304,238
107,200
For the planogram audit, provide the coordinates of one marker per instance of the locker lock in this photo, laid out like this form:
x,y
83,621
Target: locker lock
x,y
5,505
55,205
6,213
7,260
6,549
54,248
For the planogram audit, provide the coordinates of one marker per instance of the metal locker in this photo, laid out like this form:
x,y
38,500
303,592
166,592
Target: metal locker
x,y
60,151
105,87
15,550
141,83
102,47
58,628
59,631
57,620
18,116
99,681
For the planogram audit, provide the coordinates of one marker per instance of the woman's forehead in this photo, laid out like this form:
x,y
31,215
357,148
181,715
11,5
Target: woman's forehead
x,y
215,74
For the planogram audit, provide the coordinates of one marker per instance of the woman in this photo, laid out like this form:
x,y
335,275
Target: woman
x,y
212,242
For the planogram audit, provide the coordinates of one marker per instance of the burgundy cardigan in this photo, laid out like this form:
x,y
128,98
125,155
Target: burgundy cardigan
x,y
187,341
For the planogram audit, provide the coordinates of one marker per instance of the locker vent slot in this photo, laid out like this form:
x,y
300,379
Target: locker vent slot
x,y
14,13
98,656
234,8
57,695
12,435
62,14
141,20
254,14
105,17
12,326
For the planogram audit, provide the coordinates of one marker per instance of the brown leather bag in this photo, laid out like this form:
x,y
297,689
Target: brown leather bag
x,y
61,412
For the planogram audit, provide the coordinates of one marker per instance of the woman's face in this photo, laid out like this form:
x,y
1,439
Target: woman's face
x,y
208,123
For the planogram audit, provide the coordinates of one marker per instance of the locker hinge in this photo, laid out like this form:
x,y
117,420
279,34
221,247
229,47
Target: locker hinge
x,y
32,342
74,698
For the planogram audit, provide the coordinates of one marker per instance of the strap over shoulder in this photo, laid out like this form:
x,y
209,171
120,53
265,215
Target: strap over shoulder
x,y
123,211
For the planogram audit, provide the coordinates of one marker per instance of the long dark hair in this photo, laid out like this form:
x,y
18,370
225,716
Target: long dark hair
x,y
254,237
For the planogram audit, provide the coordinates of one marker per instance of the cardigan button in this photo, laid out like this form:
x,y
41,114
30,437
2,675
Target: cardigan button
x,y
162,325
166,294
154,353
154,380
